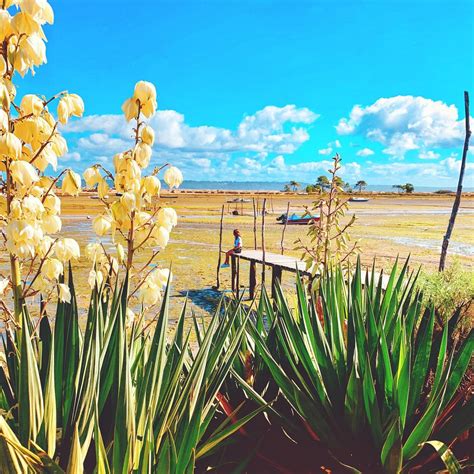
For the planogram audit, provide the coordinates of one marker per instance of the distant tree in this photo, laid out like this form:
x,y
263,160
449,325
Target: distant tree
x,y
294,185
311,188
323,182
361,184
286,188
407,187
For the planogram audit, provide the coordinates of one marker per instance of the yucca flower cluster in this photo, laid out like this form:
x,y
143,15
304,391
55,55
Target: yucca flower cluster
x,y
131,219
30,145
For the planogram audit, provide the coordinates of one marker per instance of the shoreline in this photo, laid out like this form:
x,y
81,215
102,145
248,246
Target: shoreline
x,y
250,192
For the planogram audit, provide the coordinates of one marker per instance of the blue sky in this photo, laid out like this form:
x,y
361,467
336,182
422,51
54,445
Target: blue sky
x,y
266,90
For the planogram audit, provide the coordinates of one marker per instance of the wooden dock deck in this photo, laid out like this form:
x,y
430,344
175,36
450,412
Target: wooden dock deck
x,y
278,264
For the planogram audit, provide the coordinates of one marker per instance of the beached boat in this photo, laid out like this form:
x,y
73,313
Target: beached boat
x,y
357,199
295,219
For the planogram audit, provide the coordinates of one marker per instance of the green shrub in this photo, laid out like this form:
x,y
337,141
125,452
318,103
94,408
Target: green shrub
x,y
449,290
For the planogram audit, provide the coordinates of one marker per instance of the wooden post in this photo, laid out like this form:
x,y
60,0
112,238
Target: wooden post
x,y
237,277
263,240
284,228
457,200
232,272
252,279
276,279
220,248
254,224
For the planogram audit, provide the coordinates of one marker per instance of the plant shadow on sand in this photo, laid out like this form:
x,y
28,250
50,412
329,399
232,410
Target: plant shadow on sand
x,y
205,298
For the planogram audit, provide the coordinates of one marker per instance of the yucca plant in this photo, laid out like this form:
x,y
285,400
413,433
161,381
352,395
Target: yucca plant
x,y
363,377
110,399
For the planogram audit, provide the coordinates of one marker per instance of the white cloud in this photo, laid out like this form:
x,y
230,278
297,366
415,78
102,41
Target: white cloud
x,y
404,123
325,151
365,152
428,155
270,130
72,156
202,162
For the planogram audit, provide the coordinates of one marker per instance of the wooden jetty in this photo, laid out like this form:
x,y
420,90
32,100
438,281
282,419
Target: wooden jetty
x,y
277,262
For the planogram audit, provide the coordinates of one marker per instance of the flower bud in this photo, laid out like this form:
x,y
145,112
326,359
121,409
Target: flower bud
x,y
151,185
144,91
67,249
173,177
149,293
51,224
95,278
52,204
31,104
10,146
102,188
130,109
148,135
101,225
23,173
128,201
4,282
161,236
142,154
91,176
167,217
120,253
64,293
52,268
71,183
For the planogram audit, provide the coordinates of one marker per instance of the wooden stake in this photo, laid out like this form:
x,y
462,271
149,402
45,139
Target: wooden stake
x,y
220,248
284,228
457,200
254,224
263,240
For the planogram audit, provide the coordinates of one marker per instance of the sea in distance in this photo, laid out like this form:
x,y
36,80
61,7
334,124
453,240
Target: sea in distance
x,y
278,186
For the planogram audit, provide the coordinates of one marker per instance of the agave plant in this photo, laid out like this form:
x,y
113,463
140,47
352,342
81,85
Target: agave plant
x,y
364,379
110,400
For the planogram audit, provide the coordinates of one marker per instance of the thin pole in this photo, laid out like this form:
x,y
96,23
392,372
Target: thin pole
x,y
220,248
284,228
263,240
457,200
254,224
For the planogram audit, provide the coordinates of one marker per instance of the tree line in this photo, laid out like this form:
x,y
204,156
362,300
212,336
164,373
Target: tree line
x,y
322,184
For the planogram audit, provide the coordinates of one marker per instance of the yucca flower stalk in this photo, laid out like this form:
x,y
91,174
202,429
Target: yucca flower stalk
x,y
30,143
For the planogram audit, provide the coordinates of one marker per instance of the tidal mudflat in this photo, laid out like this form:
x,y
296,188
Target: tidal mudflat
x,y
387,226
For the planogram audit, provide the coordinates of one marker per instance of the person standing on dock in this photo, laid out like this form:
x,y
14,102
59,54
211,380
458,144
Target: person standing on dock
x,y
236,249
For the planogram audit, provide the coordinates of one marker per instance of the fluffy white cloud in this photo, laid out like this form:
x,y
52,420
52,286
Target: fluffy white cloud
x,y
270,130
365,152
325,151
404,123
